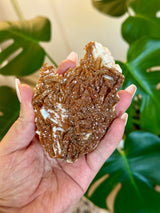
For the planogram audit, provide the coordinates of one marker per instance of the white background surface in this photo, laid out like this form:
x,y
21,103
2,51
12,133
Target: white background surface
x,y
74,23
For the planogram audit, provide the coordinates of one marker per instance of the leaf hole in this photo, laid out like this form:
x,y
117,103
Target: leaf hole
x,y
1,113
95,185
3,64
120,147
158,14
153,69
138,97
11,57
158,86
6,44
112,196
157,188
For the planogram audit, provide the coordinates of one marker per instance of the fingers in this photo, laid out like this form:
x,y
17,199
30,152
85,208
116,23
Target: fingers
x,y
67,63
108,144
125,99
73,57
23,130
115,133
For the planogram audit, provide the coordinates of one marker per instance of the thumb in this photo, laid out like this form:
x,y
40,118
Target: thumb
x,y
22,131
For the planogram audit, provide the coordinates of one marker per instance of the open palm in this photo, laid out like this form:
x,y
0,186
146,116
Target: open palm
x,y
30,181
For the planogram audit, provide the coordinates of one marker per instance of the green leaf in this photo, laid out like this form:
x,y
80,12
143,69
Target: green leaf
x,y
136,27
136,169
111,7
24,55
142,56
119,7
146,8
9,109
133,111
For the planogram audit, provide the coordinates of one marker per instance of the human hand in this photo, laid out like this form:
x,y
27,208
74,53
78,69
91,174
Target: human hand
x,y
30,181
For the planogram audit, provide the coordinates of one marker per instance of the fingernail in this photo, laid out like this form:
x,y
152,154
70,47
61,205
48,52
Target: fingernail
x,y
17,83
131,89
124,117
72,56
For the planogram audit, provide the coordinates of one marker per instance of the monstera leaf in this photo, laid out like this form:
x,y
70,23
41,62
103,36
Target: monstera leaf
x,y
136,27
9,109
143,56
119,7
136,170
145,8
144,23
24,55
111,7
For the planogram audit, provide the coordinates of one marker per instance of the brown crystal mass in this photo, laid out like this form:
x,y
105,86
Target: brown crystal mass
x,y
73,111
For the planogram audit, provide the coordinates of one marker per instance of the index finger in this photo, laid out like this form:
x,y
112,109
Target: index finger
x,y
70,61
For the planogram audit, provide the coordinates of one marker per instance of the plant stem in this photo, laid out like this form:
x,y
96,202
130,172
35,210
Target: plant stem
x,y
49,57
17,9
